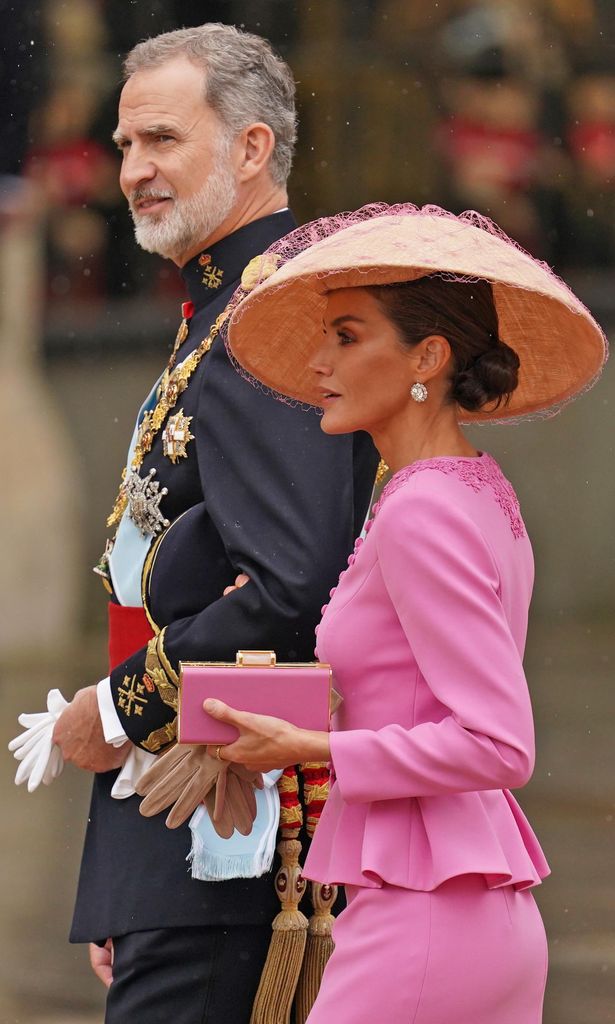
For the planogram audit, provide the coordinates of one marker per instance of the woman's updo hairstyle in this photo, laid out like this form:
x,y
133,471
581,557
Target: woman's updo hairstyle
x,y
485,369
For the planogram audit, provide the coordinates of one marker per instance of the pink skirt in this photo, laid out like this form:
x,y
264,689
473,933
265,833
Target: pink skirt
x,y
462,953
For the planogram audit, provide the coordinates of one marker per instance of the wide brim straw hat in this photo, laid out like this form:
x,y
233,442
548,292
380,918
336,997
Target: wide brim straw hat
x,y
277,323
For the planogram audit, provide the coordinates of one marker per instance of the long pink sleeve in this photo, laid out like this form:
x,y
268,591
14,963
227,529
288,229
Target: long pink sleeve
x,y
443,582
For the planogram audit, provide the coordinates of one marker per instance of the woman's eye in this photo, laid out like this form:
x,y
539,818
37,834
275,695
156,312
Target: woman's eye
x,y
345,339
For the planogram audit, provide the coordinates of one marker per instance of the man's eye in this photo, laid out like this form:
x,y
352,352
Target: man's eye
x,y
164,138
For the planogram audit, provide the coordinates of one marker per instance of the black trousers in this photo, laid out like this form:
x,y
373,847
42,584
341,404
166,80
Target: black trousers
x,y
187,975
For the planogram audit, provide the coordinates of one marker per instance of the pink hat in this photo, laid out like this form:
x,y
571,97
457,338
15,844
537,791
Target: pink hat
x,y
276,324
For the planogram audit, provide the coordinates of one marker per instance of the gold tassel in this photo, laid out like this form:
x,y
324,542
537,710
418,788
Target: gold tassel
x,y
274,998
319,947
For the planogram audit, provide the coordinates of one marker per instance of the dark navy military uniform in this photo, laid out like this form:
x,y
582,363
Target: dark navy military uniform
x,y
261,490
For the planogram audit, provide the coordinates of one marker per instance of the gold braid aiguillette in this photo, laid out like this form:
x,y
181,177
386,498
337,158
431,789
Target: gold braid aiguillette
x,y
176,383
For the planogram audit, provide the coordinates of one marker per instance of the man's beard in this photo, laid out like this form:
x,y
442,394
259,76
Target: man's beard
x,y
191,221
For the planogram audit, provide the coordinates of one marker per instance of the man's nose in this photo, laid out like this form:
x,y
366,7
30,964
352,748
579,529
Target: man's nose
x,y
136,169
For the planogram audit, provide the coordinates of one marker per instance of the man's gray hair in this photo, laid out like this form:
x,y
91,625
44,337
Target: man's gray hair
x,y
245,81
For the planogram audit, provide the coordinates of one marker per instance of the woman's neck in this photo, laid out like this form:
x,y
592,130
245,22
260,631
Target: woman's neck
x,y
421,434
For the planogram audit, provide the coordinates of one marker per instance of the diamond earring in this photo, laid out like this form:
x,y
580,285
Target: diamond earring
x,y
418,392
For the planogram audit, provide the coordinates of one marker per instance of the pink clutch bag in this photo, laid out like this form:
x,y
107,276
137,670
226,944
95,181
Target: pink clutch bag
x,y
299,693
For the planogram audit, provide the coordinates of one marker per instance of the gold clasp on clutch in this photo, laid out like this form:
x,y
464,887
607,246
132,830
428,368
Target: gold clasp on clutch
x,y
260,658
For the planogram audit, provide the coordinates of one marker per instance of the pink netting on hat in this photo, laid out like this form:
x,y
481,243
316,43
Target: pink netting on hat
x,y
307,235
284,249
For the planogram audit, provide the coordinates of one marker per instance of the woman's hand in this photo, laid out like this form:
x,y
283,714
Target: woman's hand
x,y
264,742
241,581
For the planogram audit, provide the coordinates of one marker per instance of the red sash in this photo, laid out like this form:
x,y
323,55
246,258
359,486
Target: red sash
x,y
129,631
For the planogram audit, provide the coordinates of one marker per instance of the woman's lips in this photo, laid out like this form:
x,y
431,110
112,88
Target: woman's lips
x,y
328,397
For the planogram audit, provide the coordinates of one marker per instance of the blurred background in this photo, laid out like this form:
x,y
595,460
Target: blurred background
x,y
504,106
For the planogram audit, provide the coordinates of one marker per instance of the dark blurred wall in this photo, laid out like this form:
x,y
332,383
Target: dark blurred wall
x,y
23,66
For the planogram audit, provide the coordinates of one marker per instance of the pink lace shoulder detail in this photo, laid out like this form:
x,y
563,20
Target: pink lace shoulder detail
x,y
477,473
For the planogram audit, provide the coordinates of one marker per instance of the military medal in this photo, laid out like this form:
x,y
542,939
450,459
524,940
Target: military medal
x,y
143,496
145,435
176,435
102,566
182,334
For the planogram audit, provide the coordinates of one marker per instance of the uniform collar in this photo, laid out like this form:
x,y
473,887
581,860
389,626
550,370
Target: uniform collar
x,y
207,274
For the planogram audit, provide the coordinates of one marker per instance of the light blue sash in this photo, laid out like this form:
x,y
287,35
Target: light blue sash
x,y
214,859
130,548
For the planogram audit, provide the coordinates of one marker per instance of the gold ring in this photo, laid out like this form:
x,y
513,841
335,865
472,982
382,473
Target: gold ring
x,y
218,749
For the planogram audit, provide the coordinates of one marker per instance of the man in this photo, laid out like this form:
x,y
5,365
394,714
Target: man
x,y
221,479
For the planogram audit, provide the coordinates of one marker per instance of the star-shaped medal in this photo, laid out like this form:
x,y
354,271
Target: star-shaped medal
x,y
144,495
176,435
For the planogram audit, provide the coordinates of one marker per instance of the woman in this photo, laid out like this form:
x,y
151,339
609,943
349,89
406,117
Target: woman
x,y
428,320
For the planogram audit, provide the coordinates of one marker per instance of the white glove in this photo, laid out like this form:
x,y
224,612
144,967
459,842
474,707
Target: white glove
x,y
41,760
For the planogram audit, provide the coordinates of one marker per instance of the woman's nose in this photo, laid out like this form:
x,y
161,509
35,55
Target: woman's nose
x,y
320,363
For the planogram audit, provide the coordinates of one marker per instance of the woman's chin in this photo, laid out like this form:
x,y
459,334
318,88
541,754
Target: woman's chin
x,y
334,422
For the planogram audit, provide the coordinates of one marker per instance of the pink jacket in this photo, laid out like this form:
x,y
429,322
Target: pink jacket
x,y
425,633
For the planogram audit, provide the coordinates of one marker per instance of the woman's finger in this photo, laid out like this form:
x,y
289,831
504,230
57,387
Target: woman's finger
x,y
223,713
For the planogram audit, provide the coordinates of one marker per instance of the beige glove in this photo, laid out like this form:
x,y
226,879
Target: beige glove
x,y
186,776
233,804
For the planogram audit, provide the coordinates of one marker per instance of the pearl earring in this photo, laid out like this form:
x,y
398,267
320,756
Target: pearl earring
x,y
418,392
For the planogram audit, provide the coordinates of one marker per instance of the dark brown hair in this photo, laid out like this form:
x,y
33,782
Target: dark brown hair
x,y
485,369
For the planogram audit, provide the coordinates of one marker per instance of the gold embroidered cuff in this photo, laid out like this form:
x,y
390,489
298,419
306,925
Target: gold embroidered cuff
x,y
160,673
160,737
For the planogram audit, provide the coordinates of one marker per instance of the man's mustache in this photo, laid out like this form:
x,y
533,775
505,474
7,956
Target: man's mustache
x,y
141,194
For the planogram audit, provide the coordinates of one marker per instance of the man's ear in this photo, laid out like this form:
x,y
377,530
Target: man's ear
x,y
256,144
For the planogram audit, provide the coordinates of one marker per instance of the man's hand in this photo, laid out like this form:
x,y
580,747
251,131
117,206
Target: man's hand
x,y
79,734
101,961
